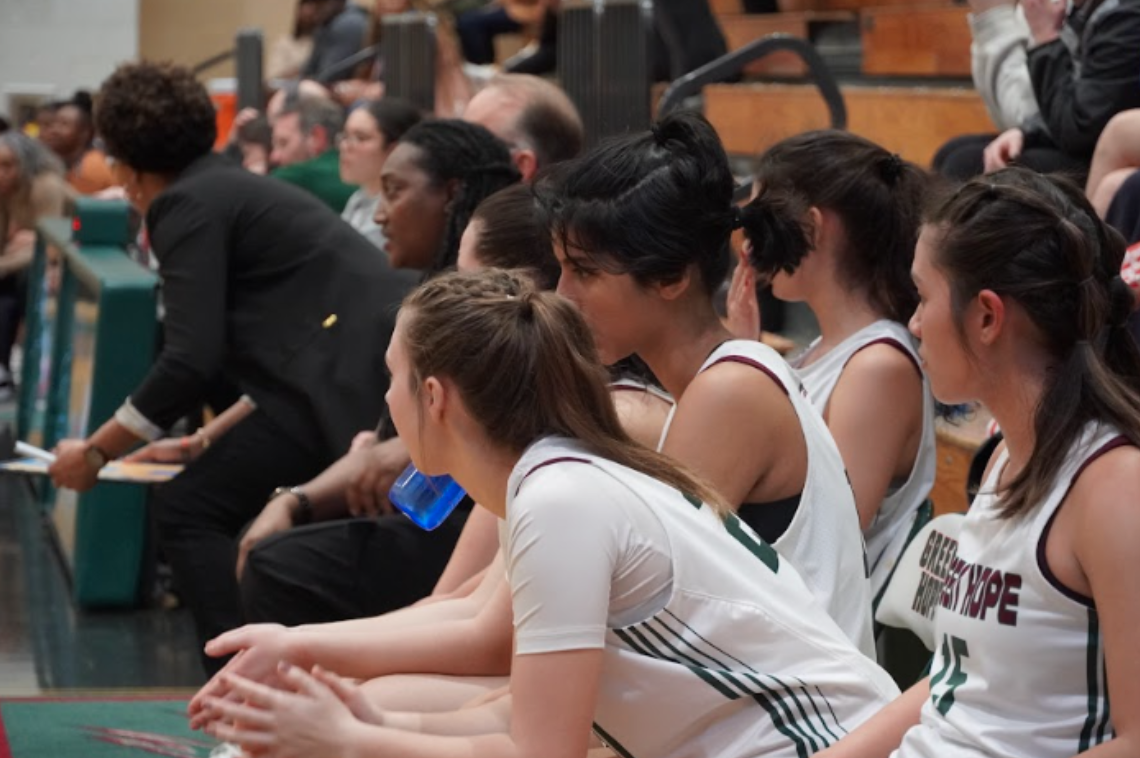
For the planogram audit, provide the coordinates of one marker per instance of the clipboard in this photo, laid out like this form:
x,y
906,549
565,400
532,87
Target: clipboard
x,y
115,471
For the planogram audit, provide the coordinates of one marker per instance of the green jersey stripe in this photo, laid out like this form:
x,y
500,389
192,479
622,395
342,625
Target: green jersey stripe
x,y
801,748
799,706
708,642
826,702
786,689
1106,718
811,699
647,648
1093,685
731,678
613,744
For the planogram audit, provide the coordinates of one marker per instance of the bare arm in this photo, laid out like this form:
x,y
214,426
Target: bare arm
x,y
736,428
1105,531
546,720
875,414
879,736
476,549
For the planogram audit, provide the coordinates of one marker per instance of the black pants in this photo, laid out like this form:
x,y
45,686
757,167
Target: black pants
x,y
961,159
345,569
201,512
13,290
477,31
1124,211
691,34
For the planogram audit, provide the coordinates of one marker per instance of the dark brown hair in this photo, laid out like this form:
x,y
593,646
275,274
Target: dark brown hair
x,y
653,204
525,365
1036,240
877,196
513,234
155,117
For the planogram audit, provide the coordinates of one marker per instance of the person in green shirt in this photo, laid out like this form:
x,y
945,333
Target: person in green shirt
x,y
304,149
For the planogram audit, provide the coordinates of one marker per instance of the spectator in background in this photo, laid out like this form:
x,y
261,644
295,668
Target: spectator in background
x,y
533,116
370,134
71,135
31,187
1083,71
4,125
254,138
304,149
1000,38
290,52
341,32
266,290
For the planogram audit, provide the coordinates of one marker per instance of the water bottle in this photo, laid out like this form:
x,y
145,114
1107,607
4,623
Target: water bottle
x,y
426,500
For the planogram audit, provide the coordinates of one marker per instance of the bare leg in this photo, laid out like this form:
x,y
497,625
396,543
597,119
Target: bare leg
x,y
1106,190
1117,148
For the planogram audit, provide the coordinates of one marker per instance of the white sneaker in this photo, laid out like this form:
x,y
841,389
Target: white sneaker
x,y
227,750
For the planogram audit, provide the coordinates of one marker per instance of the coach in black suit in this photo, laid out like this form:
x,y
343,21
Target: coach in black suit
x,y
264,288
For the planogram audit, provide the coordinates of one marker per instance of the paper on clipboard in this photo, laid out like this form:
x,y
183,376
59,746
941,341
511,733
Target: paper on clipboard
x,y
115,471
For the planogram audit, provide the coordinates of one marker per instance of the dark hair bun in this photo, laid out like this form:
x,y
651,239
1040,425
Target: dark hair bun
x,y
775,223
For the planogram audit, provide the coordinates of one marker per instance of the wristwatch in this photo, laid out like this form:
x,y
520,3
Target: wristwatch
x,y
303,513
95,457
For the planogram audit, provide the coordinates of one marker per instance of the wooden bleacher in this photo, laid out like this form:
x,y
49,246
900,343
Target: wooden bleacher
x,y
912,121
899,41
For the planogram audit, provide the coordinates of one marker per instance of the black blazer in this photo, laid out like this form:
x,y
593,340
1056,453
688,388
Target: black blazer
x,y
267,288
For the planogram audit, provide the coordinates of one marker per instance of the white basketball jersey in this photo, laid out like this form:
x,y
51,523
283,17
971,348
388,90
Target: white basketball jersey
x,y
823,541
1019,667
887,535
741,662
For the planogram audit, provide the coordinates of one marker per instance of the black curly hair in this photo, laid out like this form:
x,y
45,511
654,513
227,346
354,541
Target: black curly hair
x,y
452,149
155,117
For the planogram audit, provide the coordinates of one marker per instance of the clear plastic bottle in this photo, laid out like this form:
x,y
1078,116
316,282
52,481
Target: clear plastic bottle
x,y
426,500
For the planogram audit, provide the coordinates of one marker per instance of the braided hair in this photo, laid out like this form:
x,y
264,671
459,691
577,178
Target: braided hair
x,y
481,163
1038,241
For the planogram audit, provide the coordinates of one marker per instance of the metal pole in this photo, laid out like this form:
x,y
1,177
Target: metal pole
x,y
249,60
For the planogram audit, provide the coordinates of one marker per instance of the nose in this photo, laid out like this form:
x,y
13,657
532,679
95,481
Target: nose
x,y
381,215
915,325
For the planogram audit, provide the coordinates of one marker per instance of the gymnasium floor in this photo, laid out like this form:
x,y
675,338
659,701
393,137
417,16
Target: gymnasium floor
x,y
46,645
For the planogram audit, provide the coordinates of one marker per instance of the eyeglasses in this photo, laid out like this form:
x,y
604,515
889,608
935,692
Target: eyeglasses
x,y
348,138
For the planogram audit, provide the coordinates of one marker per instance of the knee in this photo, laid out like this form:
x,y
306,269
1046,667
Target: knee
x,y
1103,194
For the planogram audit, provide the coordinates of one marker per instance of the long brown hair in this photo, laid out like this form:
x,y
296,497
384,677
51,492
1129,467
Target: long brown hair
x,y
877,196
1037,240
526,367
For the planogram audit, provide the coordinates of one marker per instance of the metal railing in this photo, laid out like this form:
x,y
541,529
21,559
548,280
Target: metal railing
x,y
731,65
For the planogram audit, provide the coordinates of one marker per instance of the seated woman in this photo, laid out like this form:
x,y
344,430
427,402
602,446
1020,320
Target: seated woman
x,y
468,614
642,227
32,187
840,218
369,137
643,610
1022,309
309,575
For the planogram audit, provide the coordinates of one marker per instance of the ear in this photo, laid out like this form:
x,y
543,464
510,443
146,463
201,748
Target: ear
x,y
674,290
435,397
526,162
989,316
815,225
319,140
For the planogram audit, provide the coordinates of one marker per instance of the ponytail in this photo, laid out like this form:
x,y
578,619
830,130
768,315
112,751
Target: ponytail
x,y
876,196
525,364
1036,240
775,223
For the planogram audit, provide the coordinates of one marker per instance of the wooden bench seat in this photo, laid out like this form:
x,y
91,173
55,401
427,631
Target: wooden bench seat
x,y
932,40
912,121
741,29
